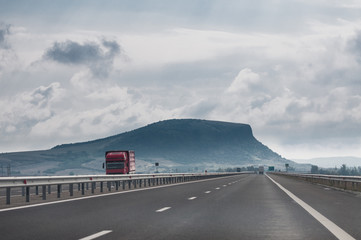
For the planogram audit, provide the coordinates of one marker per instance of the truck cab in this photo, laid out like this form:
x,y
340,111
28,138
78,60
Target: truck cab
x,y
119,162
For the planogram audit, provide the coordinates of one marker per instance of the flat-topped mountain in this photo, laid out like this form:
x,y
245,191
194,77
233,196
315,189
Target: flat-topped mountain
x,y
177,145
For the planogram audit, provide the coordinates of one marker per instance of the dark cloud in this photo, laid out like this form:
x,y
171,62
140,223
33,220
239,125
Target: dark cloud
x,y
354,46
4,31
42,95
98,57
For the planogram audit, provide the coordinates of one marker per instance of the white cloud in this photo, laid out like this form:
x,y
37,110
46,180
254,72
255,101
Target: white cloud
x,y
244,81
22,111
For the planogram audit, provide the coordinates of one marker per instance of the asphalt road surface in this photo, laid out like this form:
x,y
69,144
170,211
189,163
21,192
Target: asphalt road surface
x,y
239,207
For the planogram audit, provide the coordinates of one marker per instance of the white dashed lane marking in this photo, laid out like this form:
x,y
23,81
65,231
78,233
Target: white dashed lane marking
x,y
96,235
163,209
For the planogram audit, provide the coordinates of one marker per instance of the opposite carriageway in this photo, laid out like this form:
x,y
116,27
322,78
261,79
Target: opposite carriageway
x,y
22,188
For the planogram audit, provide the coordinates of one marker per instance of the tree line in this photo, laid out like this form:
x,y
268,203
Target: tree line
x,y
343,170
235,169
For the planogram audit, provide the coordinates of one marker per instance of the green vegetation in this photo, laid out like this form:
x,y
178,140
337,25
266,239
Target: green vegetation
x,y
343,170
243,169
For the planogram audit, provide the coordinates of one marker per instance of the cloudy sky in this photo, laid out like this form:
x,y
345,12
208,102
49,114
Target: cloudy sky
x,y
74,71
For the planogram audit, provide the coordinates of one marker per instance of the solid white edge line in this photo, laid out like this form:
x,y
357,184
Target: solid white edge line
x,y
163,209
96,235
108,194
332,227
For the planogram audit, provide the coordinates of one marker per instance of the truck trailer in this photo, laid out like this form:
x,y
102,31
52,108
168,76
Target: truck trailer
x,y
261,169
119,162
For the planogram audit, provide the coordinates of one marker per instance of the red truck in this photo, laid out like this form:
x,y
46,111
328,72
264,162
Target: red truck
x,y
119,162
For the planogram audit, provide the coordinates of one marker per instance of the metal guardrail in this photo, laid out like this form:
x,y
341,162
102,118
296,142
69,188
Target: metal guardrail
x,y
352,183
83,181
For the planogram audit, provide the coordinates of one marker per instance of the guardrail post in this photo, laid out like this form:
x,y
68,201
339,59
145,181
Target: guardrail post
x,y
135,183
49,189
44,191
71,190
101,186
93,187
23,191
27,194
8,191
123,182
117,185
36,190
129,184
82,188
87,186
59,191
109,184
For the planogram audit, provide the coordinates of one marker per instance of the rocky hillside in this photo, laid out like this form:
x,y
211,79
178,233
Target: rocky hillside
x,y
177,145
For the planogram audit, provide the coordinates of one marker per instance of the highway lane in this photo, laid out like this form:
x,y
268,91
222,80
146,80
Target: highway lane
x,y
239,207
342,207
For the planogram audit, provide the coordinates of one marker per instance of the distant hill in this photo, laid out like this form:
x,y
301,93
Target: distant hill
x,y
177,145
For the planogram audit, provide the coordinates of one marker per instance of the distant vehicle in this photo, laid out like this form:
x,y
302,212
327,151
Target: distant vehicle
x,y
119,162
261,169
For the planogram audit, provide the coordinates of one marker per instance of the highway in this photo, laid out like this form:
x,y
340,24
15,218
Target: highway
x,y
239,207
